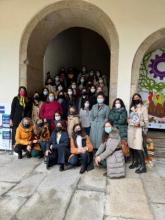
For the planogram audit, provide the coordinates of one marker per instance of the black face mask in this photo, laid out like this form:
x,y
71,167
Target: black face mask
x,y
136,102
26,125
58,129
72,113
78,132
40,124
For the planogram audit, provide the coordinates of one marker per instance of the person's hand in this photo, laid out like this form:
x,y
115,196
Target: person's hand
x,y
97,160
11,123
47,152
82,150
35,141
29,148
137,125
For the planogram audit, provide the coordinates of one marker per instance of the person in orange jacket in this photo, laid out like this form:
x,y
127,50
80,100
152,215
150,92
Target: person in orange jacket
x,y
81,148
25,139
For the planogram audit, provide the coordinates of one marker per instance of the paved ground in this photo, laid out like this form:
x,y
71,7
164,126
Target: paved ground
x,y
29,192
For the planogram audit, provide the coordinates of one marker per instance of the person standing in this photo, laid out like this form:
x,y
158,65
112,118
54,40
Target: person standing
x,y
49,108
99,115
137,122
85,116
21,107
118,116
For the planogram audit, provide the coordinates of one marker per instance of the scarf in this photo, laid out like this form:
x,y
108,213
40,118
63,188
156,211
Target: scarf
x,y
22,101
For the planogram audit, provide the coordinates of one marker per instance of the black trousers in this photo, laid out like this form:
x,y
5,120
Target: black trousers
x,y
19,148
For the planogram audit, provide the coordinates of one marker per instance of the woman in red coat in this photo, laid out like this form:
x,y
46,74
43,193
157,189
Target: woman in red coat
x,y
49,108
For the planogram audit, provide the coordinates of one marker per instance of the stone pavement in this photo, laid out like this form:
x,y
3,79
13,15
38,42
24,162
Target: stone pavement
x,y
30,192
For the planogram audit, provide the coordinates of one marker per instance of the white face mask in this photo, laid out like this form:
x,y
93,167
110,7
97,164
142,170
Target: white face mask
x,y
45,92
51,98
118,105
60,88
86,105
73,86
82,80
58,118
93,90
69,92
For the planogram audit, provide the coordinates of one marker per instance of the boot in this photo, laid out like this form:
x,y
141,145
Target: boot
x,y
134,160
61,168
142,168
83,169
20,154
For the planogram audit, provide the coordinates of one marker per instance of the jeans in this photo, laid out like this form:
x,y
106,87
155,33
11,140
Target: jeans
x,y
82,159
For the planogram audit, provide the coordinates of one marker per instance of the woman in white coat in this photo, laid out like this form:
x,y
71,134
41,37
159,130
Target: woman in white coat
x,y
137,122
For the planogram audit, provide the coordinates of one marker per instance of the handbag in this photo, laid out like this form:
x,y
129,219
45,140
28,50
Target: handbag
x,y
125,148
51,159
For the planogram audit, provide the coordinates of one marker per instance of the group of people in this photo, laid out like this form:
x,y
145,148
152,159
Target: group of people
x,y
70,123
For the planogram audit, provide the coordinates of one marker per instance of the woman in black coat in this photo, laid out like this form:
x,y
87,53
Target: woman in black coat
x,y
21,107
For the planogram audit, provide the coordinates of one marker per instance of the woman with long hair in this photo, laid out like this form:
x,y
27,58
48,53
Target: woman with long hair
x,y
110,153
81,148
137,122
21,107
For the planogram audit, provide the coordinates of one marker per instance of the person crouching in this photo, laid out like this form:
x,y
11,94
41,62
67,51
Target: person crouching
x,y
24,138
81,148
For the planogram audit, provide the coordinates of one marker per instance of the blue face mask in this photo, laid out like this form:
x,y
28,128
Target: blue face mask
x,y
108,130
100,101
51,98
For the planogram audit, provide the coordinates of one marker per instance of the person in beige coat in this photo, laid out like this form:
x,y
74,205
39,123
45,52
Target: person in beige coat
x,y
137,122
110,153
73,119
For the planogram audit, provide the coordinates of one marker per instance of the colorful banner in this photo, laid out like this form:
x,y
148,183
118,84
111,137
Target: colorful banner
x,y
152,86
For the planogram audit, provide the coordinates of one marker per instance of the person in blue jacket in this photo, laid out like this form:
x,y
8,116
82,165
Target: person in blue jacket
x,y
58,145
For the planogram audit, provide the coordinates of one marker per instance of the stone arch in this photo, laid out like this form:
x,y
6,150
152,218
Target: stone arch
x,y
54,19
153,41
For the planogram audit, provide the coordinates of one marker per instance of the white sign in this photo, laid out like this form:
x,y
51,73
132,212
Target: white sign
x,y
5,130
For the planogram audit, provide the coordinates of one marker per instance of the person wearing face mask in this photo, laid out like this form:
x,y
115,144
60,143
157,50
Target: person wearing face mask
x,y
81,148
73,119
21,107
83,98
44,94
85,116
110,154
58,118
58,147
99,115
92,96
24,138
81,83
50,85
36,106
118,116
42,134
103,86
62,101
49,108
71,99
137,123
76,90
82,74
